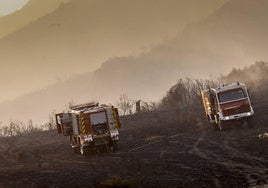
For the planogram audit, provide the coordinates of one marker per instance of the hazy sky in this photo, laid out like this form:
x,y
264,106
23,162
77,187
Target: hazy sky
x,y
87,32
83,35
9,6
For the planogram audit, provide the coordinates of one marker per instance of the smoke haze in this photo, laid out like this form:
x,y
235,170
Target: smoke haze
x,y
78,36
202,40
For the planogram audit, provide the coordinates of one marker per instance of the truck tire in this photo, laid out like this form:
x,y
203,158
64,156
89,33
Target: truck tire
x,y
215,126
84,150
221,125
112,146
250,122
114,143
76,149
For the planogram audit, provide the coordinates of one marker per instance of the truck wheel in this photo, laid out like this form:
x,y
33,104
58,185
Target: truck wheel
x,y
84,150
76,149
215,126
250,122
112,146
114,143
221,125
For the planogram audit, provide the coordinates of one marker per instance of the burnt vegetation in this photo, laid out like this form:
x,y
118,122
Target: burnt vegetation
x,y
165,144
185,95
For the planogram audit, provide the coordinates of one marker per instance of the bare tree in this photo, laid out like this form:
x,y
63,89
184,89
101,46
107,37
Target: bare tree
x,y
125,104
52,122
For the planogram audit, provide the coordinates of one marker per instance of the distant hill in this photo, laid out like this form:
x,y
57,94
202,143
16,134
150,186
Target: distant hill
x,y
32,11
233,36
80,35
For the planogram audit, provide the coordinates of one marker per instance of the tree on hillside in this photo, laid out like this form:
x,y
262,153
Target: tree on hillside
x,y
125,104
185,93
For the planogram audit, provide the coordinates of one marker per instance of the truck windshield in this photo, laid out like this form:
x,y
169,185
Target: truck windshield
x,y
231,95
99,123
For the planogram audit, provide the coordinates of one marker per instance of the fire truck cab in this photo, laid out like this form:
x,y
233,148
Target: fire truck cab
x,y
228,103
90,126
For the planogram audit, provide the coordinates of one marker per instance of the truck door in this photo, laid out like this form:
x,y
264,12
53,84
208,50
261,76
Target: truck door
x,y
64,123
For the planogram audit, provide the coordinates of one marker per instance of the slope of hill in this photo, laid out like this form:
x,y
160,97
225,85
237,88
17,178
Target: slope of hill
x,y
81,34
232,36
33,10
152,152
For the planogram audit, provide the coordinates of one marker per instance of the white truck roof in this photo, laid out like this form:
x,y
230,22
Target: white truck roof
x,y
229,86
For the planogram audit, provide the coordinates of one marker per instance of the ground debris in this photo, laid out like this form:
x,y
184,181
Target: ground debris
x,y
263,136
160,155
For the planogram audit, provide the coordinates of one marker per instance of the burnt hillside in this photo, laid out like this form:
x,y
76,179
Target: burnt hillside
x,y
185,95
169,147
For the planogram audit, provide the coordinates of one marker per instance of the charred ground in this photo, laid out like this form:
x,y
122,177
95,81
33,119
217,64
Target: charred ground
x,y
170,147
158,155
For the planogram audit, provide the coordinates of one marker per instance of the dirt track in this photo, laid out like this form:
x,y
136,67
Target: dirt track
x,y
148,156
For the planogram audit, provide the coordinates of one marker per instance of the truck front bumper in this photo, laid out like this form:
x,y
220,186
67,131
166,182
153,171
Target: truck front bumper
x,y
236,116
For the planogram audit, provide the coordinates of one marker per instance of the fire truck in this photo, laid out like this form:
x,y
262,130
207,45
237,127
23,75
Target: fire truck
x,y
90,126
227,105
